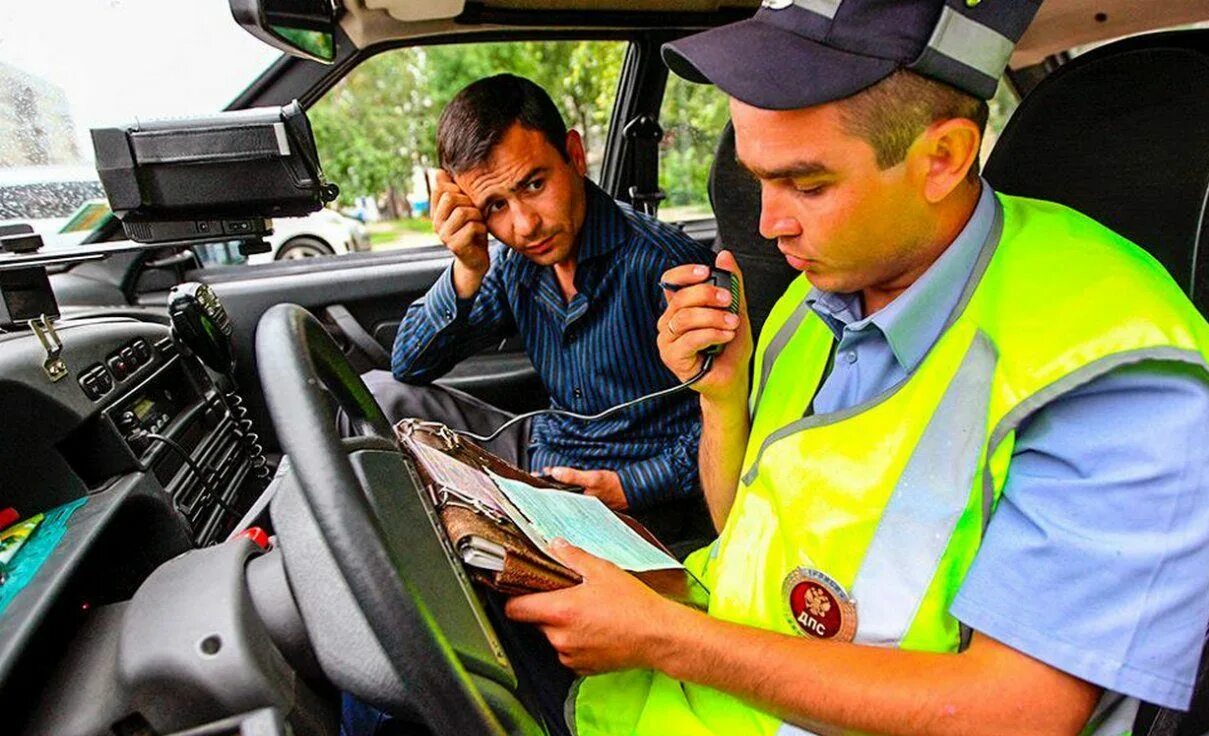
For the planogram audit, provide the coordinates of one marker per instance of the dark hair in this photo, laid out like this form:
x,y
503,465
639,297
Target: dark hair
x,y
476,119
891,114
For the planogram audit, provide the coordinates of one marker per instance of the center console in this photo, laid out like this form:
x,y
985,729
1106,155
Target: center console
x,y
146,404
188,433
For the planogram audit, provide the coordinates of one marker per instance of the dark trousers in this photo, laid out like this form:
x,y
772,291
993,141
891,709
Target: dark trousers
x,y
544,682
453,408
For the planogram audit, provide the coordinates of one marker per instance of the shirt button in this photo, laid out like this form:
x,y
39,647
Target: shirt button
x,y
448,314
850,356
577,393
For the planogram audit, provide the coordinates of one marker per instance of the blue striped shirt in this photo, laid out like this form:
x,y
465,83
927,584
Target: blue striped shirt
x,y
592,353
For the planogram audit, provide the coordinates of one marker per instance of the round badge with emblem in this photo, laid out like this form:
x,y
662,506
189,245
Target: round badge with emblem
x,y
819,606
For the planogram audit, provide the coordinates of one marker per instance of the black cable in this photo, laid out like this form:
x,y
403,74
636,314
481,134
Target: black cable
x,y
203,478
709,361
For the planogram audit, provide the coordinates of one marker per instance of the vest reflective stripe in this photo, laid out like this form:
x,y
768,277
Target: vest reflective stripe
x,y
767,354
931,494
788,729
775,346
890,499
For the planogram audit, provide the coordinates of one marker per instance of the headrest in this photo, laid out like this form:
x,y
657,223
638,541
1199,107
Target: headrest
x,y
1122,134
735,197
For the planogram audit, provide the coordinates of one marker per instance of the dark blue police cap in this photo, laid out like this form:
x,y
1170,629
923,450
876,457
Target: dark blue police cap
x,y
800,53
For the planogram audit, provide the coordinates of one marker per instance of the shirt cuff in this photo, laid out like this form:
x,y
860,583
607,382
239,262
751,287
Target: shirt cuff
x,y
442,305
651,481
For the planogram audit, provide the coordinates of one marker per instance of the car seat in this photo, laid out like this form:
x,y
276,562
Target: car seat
x,y
1121,133
735,196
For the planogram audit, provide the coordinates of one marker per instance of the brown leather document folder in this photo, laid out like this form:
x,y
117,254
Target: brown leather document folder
x,y
493,548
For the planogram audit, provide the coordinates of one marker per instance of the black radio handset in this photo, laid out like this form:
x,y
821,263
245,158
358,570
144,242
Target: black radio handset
x,y
723,279
201,324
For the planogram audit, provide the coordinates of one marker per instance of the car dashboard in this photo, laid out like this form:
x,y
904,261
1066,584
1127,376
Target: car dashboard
x,y
102,450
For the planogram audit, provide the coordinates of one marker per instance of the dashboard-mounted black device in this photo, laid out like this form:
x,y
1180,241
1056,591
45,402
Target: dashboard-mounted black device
x,y
211,178
201,324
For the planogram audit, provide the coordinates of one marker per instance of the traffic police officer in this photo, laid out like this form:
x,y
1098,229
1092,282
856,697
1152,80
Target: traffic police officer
x,y
937,514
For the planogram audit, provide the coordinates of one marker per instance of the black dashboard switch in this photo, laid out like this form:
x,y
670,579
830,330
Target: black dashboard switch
x,y
92,388
142,350
128,356
104,380
119,367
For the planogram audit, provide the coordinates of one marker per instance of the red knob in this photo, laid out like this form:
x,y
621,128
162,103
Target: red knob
x,y
257,535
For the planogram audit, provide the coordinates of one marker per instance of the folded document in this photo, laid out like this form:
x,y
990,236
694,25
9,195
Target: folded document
x,y
500,520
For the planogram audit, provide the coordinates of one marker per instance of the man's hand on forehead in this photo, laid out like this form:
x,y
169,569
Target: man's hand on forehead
x,y
460,225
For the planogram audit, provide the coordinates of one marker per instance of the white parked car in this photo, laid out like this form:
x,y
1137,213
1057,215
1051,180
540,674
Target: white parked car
x,y
321,233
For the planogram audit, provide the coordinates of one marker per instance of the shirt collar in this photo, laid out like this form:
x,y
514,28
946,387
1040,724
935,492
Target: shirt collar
x,y
915,319
604,228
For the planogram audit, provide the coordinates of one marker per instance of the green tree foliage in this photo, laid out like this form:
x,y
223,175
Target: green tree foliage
x,y
379,123
366,126
693,116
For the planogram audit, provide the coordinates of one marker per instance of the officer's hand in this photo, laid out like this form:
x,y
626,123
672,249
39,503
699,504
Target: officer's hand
x,y
603,484
611,621
697,317
461,227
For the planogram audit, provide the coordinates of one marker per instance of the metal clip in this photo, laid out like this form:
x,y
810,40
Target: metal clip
x,y
54,366
452,439
454,497
411,425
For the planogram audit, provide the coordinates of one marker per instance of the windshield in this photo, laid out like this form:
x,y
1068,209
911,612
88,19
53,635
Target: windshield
x,y
69,67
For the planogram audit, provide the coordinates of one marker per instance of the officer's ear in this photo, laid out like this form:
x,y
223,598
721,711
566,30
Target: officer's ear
x,y
575,152
942,156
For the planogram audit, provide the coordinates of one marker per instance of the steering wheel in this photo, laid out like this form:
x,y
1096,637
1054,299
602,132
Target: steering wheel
x,y
301,371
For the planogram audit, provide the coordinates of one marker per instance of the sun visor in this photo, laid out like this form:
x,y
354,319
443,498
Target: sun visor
x,y
410,11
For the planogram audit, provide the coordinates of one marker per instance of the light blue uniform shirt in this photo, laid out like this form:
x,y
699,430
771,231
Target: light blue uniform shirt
x,y
1096,560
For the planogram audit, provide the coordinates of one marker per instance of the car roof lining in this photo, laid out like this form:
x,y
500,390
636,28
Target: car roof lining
x,y
1063,24
1059,24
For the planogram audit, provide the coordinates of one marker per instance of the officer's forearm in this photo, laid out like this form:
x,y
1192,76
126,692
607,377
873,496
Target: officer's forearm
x,y
988,689
724,430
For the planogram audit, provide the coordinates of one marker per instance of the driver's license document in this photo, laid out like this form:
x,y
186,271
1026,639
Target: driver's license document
x,y
585,522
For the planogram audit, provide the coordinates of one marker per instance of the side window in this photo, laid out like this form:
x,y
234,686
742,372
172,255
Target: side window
x,y
376,129
692,117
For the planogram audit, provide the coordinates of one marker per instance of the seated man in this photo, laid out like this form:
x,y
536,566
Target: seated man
x,y
578,281
968,494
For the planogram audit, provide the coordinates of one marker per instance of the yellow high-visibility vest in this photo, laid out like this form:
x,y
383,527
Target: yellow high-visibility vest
x,y
861,524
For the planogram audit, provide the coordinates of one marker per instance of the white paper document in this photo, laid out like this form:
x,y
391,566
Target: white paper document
x,y
585,522
456,475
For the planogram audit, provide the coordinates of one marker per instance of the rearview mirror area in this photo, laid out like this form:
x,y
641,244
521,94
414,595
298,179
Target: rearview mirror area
x,y
302,28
